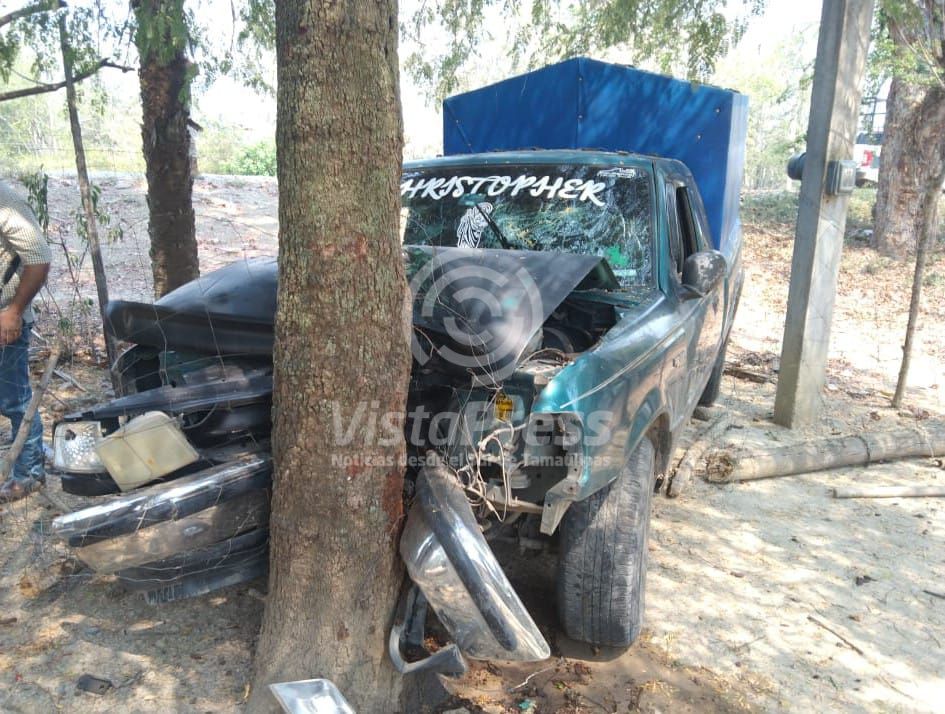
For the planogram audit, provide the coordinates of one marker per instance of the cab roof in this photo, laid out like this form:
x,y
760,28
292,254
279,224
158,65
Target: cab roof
x,y
544,157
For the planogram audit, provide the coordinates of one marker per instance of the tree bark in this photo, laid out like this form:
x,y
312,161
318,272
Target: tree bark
x,y
911,167
164,75
342,340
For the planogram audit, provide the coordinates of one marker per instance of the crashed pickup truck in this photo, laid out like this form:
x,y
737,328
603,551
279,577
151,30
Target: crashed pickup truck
x,y
571,307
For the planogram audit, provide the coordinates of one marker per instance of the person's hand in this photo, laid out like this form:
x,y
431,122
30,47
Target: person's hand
x,y
11,324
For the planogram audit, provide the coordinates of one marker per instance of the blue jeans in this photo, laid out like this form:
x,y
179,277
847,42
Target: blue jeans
x,y
15,395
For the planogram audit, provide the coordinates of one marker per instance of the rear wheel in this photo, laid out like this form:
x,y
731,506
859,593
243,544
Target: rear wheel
x,y
602,562
714,385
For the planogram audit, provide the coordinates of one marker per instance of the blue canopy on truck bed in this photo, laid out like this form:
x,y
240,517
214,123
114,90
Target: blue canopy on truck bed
x,y
585,104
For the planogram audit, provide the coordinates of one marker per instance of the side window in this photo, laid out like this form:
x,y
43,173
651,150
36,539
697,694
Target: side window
x,y
675,236
689,230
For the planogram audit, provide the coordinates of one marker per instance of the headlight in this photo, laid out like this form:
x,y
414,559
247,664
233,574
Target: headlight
x,y
74,445
147,447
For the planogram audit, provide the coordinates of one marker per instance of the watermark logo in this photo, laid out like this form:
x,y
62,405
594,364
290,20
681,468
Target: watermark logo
x,y
471,426
472,315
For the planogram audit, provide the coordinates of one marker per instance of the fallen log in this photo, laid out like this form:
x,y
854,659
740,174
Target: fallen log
x,y
724,465
695,454
747,374
888,491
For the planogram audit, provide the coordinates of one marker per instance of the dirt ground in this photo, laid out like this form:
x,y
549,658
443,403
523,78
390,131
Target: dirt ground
x,y
760,597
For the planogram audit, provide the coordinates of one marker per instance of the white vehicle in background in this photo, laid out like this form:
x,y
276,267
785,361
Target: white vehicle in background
x,y
866,153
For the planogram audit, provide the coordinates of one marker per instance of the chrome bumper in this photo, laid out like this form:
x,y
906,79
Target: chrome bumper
x,y
450,561
158,522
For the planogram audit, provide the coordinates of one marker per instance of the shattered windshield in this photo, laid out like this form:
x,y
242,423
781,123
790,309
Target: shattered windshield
x,y
589,210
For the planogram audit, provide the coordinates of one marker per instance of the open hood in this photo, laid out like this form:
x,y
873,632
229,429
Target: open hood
x,y
475,309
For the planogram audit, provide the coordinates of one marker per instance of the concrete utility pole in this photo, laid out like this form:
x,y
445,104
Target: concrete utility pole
x,y
821,218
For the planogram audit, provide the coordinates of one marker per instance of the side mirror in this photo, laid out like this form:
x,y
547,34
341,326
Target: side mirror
x,y
702,272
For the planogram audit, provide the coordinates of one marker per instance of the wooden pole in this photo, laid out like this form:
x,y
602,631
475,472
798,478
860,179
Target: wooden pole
x,y
723,466
85,190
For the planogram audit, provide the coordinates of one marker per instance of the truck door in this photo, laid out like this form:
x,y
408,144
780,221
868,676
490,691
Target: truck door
x,y
675,365
703,316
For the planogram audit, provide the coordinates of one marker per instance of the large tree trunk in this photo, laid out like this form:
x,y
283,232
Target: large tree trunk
x,y
911,166
342,340
165,76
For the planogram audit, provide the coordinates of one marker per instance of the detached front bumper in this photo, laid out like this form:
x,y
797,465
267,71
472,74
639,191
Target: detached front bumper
x,y
180,538
450,561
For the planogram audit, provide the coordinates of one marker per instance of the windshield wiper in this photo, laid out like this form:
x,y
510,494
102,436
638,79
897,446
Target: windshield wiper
x,y
495,227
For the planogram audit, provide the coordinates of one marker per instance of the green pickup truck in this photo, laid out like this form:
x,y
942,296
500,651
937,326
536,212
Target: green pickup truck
x,y
571,307
570,338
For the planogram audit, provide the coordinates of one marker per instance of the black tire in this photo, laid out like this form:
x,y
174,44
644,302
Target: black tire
x,y
714,385
602,561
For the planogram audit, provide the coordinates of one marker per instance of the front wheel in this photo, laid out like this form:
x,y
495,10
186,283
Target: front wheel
x,y
602,562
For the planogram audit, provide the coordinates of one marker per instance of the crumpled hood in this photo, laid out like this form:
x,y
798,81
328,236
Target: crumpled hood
x,y
229,311
475,309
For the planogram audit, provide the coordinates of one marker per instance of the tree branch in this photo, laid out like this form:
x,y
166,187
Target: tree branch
x,y
34,9
56,86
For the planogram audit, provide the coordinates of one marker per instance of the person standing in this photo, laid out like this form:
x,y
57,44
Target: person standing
x,y
24,265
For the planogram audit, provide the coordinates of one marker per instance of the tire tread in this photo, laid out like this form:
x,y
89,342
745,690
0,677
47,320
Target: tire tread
x,y
602,568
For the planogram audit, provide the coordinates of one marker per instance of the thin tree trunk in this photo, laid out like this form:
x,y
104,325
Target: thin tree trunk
x,y
342,341
929,213
165,75
85,190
